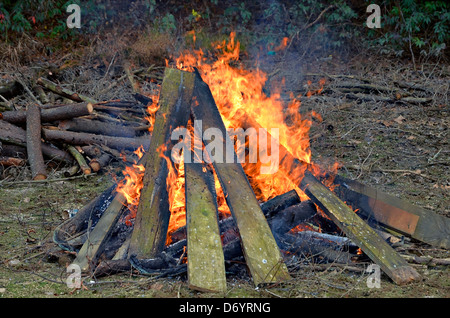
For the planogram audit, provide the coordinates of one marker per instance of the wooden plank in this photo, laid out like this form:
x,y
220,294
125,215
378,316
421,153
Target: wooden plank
x,y
394,213
206,263
260,249
94,245
152,218
359,231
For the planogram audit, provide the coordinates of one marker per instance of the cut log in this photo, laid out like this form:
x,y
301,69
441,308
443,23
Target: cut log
x,y
98,163
33,139
76,138
260,248
11,161
206,264
51,114
359,232
97,127
399,215
55,88
80,159
152,219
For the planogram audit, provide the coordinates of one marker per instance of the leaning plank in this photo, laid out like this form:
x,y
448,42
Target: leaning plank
x,y
260,249
152,218
397,214
359,231
87,257
51,114
33,136
76,138
206,264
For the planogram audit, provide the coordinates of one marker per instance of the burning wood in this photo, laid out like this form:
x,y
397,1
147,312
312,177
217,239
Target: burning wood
x,y
132,227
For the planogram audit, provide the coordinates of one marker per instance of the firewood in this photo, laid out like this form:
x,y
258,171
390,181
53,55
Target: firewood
x,y
206,267
97,127
76,138
98,163
359,231
51,114
14,151
10,161
260,248
33,139
10,89
87,256
92,151
112,109
64,91
270,208
93,247
79,158
152,219
71,171
394,213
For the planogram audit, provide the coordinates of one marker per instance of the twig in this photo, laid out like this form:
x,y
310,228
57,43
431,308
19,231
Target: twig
x,y
46,180
318,17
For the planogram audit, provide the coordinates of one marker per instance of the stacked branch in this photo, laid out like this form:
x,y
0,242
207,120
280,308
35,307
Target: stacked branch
x,y
43,131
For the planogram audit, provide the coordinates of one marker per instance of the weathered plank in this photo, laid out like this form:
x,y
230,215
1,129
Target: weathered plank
x,y
152,218
359,231
397,214
206,263
95,242
260,249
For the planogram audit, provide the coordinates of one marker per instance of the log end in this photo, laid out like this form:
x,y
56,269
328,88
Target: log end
x,y
405,275
90,107
95,166
40,176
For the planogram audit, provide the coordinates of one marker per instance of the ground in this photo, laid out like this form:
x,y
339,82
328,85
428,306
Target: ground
x,y
400,148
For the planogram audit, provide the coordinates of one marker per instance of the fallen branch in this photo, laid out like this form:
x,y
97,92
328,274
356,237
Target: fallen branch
x,y
79,158
76,138
10,161
97,127
50,114
17,136
55,88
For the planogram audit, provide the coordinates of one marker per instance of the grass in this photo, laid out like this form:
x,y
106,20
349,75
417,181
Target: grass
x,y
26,271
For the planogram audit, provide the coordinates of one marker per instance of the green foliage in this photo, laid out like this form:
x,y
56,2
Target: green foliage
x,y
41,18
413,26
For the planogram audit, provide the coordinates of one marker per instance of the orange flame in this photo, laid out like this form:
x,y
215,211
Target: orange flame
x,y
236,90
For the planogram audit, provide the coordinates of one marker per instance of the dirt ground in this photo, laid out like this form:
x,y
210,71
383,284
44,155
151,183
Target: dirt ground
x,y
399,147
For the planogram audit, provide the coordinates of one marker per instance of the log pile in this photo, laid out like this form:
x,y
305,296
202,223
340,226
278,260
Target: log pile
x,y
267,237
82,135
